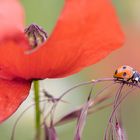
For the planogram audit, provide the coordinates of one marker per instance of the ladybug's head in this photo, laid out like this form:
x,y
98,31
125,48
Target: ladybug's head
x,y
124,72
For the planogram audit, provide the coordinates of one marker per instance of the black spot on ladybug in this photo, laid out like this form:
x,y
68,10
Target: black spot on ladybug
x,y
124,67
124,74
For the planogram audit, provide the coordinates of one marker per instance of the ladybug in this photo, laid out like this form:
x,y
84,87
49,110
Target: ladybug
x,y
127,73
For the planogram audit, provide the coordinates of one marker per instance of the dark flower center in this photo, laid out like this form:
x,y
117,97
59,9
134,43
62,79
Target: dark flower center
x,y
36,35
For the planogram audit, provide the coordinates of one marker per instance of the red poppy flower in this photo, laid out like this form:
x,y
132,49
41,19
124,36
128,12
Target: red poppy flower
x,y
86,32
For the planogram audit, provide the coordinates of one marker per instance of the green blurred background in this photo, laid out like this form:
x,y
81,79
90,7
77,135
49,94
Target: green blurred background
x,y
45,13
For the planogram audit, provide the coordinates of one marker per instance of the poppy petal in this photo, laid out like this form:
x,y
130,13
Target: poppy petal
x,y
11,18
12,94
86,32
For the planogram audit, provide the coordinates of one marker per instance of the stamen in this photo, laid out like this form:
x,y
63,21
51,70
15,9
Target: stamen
x,y
36,35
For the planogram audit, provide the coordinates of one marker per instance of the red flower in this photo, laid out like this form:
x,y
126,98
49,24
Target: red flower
x,y
86,31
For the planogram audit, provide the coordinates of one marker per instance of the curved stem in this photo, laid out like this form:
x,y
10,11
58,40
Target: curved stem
x,y
37,110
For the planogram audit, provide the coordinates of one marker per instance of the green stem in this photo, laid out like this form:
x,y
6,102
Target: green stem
x,y
37,110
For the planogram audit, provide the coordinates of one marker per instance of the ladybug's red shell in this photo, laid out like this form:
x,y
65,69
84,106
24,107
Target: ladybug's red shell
x,y
124,72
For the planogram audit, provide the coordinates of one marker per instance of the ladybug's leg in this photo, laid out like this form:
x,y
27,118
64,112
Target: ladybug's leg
x,y
134,82
128,81
117,79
